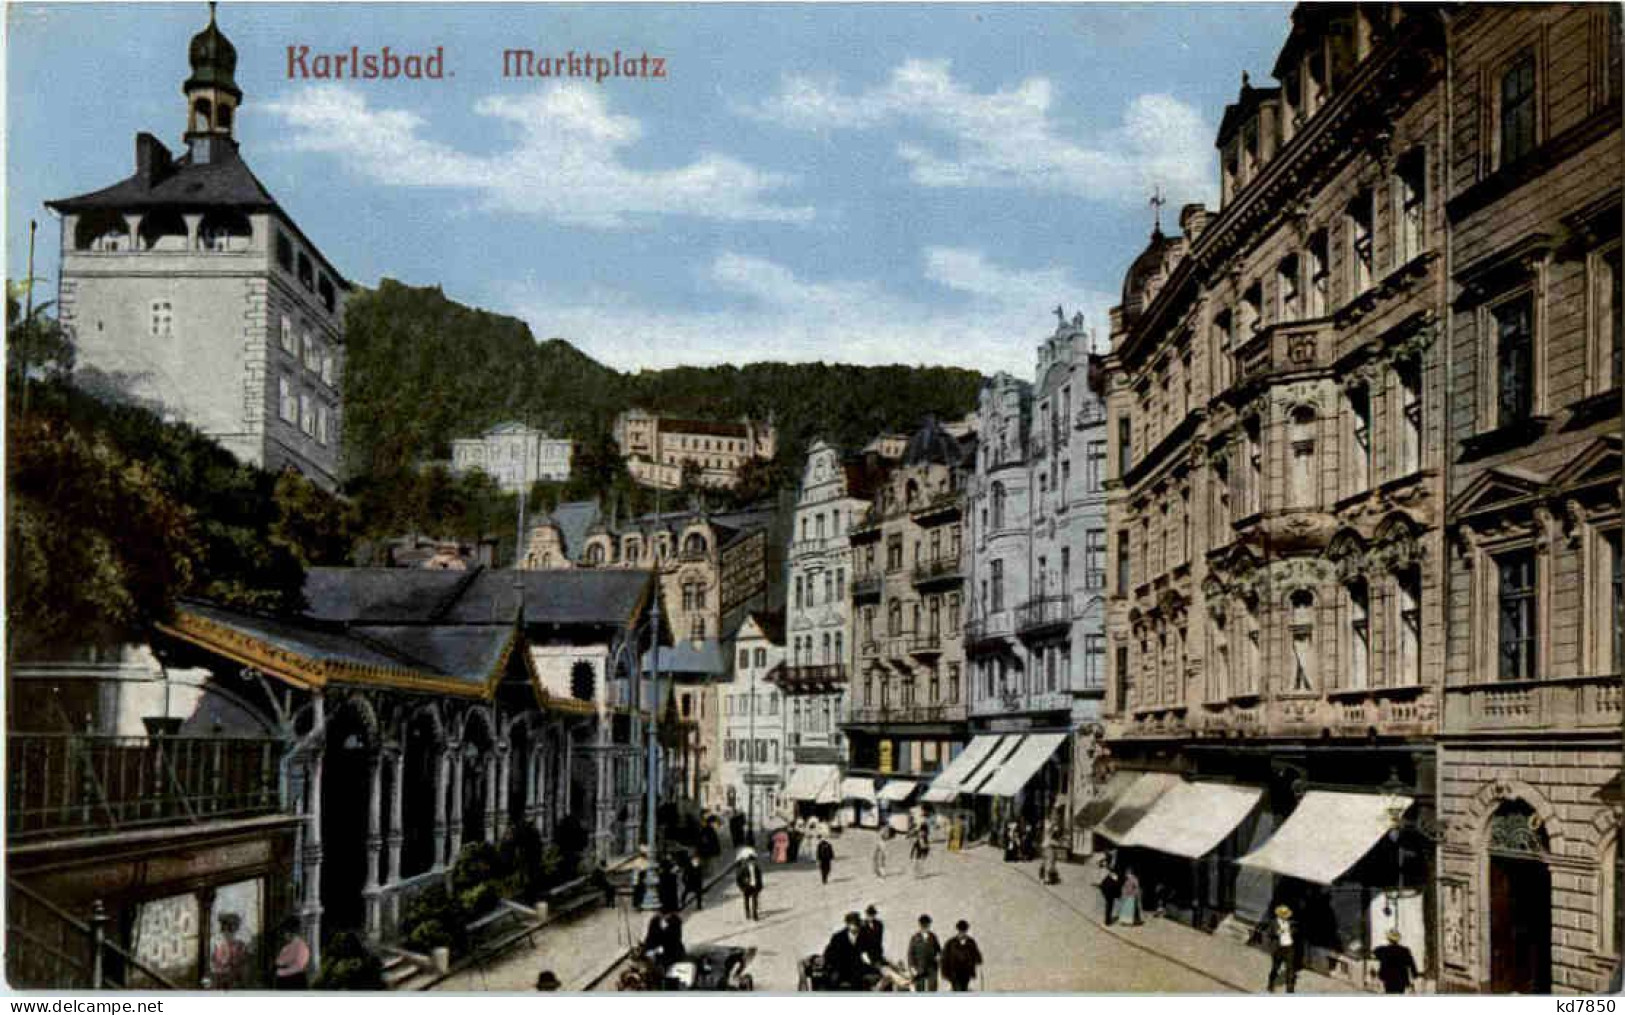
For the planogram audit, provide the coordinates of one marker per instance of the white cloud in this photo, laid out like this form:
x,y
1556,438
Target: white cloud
x,y
564,162
989,318
1009,138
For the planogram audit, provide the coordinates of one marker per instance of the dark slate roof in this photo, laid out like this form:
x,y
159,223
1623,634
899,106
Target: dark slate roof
x,y
405,596
225,182
380,595
573,519
704,659
467,651
933,445
305,638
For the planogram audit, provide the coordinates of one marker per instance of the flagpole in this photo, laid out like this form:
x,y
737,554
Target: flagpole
x,y
28,314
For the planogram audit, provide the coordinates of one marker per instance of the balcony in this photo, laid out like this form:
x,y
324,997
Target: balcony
x,y
866,585
942,506
1010,701
1044,614
990,628
901,715
938,570
810,678
926,643
62,784
1561,703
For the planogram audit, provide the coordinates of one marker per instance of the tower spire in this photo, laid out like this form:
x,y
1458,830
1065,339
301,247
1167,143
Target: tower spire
x,y
212,95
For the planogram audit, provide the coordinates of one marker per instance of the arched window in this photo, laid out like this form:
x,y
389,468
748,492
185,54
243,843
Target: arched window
x,y
894,619
202,111
224,231
163,230
595,554
912,493
223,117
1302,617
582,681
101,231
1301,492
694,544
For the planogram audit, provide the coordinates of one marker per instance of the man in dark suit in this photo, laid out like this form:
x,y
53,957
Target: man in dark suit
x,y
961,958
664,941
826,859
748,876
873,934
1280,932
1396,966
846,965
924,956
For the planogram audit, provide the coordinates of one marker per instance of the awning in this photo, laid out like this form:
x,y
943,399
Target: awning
x,y
1134,803
1191,819
1013,776
1093,808
945,787
988,769
856,788
814,783
898,790
1326,835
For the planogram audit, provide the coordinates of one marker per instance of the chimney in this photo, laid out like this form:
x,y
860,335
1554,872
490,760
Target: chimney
x,y
152,159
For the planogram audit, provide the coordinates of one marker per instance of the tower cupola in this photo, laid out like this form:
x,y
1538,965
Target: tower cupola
x,y
212,95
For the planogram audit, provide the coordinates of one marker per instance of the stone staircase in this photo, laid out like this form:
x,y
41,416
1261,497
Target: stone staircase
x,y
405,970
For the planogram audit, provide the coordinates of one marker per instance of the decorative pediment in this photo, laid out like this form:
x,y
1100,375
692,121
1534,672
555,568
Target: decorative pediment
x,y
1598,463
1497,489
1503,269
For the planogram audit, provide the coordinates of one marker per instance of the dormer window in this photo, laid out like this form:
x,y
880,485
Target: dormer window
x,y
325,289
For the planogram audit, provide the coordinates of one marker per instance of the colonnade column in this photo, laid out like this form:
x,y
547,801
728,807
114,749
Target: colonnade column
x,y
375,842
312,910
454,836
442,775
397,835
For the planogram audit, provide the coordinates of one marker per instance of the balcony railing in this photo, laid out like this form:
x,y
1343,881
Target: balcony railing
x,y
996,625
1044,612
938,569
903,714
70,783
943,502
1561,703
793,678
866,584
926,643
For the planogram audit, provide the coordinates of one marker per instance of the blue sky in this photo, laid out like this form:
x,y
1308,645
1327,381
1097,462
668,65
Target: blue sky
x,y
871,184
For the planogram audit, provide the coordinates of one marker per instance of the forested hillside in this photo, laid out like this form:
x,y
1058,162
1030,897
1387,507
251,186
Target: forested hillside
x,y
423,370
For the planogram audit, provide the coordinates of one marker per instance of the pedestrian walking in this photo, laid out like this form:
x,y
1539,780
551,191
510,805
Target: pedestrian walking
x,y
921,849
846,966
1280,932
1396,966
1111,886
826,859
1128,900
736,829
292,959
961,958
749,879
669,884
873,933
1012,842
879,855
694,882
924,955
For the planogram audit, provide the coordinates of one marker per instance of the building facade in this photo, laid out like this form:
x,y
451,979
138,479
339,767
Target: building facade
x,y
1276,444
1529,752
1035,637
187,288
755,761
907,713
660,450
514,455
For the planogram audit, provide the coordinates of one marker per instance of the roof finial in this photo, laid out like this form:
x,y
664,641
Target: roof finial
x,y
1157,201
211,11
1246,81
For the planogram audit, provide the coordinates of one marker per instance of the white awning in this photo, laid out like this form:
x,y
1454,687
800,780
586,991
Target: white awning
x,y
1013,776
898,790
1134,803
814,783
857,788
1326,835
990,768
945,787
1192,818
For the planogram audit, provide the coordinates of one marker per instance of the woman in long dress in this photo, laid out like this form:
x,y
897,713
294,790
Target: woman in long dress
x,y
1128,902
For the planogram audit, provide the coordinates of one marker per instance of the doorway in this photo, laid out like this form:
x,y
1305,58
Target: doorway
x,y
1520,903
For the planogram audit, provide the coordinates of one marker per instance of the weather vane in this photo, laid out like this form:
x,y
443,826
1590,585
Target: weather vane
x,y
1157,201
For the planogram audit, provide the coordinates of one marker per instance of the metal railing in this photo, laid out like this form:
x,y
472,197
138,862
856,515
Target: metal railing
x,y
866,583
901,714
1044,611
60,783
938,569
48,949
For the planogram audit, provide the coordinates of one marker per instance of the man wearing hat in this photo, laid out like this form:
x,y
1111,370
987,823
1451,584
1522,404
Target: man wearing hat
x,y
873,938
1396,966
961,958
846,966
748,876
1280,930
924,955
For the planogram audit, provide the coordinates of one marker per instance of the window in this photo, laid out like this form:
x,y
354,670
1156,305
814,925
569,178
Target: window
x,y
998,505
801,599
1123,569
1408,382
1286,280
1359,605
1411,193
1361,238
1514,360
1408,583
1302,612
1224,346
328,296
163,319
307,272
1120,677
1125,454
1359,420
323,425
1254,649
894,553
1320,274
1515,573
840,647
1301,488
1094,659
1255,465
1094,465
699,629
284,251
1607,321
998,585
1517,134
1219,675
329,358
1252,310
286,333
287,402
1616,595
744,658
